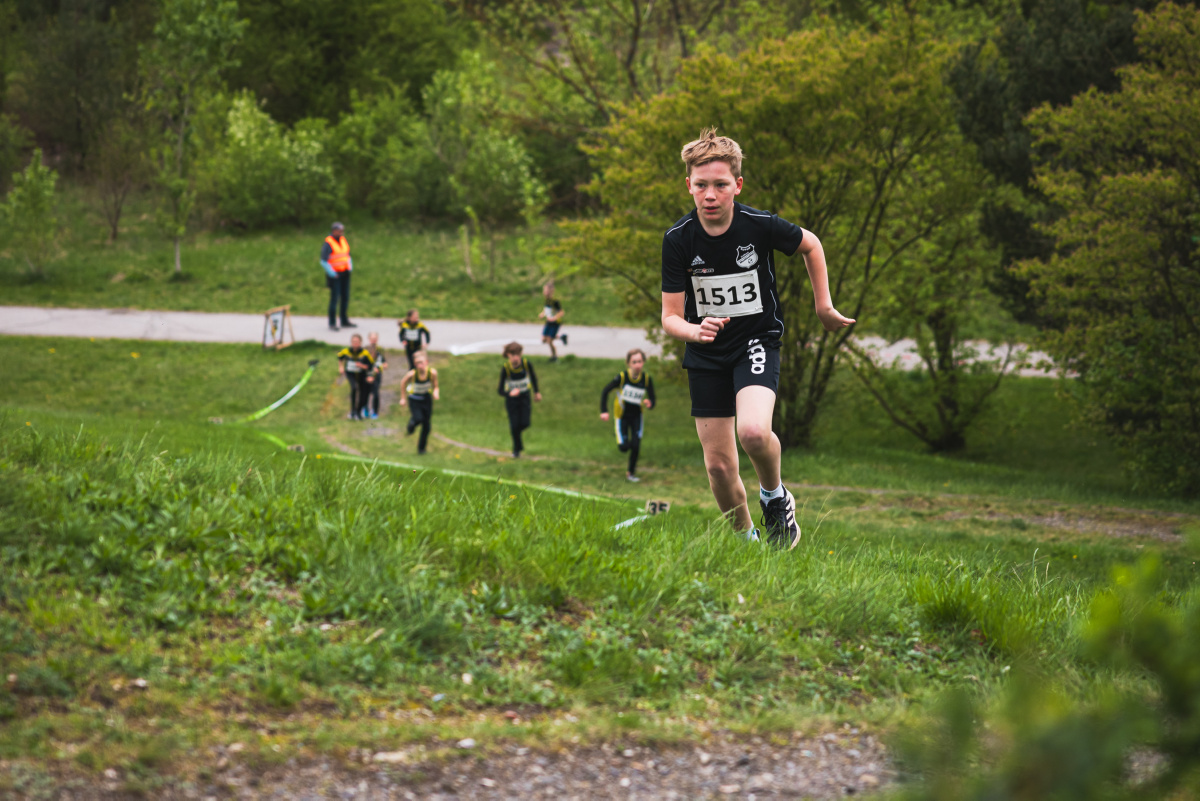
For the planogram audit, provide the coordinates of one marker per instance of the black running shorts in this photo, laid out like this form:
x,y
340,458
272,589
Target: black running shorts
x,y
714,389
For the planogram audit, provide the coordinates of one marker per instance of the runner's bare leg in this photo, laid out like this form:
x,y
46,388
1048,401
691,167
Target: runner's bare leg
x,y
721,461
755,406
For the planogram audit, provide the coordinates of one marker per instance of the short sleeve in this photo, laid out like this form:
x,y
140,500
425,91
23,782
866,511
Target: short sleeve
x,y
674,270
785,236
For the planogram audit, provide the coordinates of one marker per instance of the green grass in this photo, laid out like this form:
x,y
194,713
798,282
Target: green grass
x,y
305,605
395,269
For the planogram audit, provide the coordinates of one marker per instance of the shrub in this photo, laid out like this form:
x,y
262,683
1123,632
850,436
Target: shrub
x,y
266,175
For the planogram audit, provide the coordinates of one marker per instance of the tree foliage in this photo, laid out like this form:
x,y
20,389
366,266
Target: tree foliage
x,y
848,133
30,215
193,43
265,174
307,58
1124,281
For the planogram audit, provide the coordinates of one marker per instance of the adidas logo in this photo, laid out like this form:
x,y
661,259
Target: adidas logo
x,y
697,261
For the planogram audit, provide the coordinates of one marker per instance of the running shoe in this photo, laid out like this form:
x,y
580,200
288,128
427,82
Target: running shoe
x,y
751,535
564,339
634,479
409,429
348,324
516,454
779,520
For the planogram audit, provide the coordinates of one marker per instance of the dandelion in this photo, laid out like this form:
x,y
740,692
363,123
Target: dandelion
x,y
831,553
318,456
1074,556
93,339
136,355
52,350
511,497
28,423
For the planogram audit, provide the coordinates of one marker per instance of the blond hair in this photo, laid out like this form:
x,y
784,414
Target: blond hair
x,y
710,147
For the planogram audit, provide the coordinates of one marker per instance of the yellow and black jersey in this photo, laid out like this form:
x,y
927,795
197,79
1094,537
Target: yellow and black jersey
x,y
378,357
411,335
523,378
630,393
422,386
356,360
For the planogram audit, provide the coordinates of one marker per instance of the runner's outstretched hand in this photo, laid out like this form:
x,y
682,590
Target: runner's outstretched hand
x,y
604,416
710,327
832,319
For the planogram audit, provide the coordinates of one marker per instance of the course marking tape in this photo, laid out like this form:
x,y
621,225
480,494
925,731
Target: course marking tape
x,y
630,522
312,366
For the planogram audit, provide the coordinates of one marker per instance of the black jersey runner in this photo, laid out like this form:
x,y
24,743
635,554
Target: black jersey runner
x,y
731,275
627,412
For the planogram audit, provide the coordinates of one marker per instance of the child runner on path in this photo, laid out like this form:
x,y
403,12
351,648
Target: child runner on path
x,y
420,397
375,377
355,364
412,331
552,313
516,379
635,389
719,296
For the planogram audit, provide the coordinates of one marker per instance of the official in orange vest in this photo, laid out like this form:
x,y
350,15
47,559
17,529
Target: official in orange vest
x,y
335,259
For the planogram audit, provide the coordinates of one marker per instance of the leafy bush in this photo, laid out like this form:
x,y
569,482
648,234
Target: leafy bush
x,y
1123,287
266,175
13,141
1044,744
29,214
383,153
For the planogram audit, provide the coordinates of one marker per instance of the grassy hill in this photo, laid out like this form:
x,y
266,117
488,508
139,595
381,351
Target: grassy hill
x,y
168,584
395,269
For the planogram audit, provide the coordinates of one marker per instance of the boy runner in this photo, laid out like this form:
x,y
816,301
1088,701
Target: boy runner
x,y
375,377
635,390
355,364
719,296
552,313
420,396
516,379
412,331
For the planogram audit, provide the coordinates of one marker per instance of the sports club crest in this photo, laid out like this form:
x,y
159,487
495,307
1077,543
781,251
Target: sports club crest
x,y
746,257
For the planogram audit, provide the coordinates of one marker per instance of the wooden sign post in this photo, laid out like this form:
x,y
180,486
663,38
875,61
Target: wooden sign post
x,y
274,335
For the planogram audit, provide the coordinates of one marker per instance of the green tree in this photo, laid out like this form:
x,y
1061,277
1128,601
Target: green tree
x,y
1044,52
306,58
490,174
14,139
835,125
937,290
193,43
265,175
30,213
383,154
1124,281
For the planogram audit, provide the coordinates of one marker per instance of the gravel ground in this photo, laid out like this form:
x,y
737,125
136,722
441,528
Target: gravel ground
x,y
830,766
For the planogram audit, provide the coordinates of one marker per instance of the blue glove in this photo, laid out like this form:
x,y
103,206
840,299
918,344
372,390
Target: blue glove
x,y
329,271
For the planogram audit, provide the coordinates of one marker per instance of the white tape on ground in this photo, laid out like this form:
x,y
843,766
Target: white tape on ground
x,y
488,344
630,522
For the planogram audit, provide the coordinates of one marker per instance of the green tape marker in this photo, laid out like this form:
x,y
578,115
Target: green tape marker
x,y
312,367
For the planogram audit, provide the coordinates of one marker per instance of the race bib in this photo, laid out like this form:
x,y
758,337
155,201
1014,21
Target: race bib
x,y
412,334
421,388
354,367
549,312
734,295
632,394
517,383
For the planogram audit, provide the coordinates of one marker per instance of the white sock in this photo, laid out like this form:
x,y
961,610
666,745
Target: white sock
x,y
767,495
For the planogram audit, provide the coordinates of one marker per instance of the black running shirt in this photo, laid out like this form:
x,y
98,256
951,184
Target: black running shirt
x,y
731,275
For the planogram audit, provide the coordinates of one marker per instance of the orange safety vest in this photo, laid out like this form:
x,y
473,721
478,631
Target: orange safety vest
x,y
339,259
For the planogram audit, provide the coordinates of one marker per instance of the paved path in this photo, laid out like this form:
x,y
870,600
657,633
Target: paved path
x,y
452,336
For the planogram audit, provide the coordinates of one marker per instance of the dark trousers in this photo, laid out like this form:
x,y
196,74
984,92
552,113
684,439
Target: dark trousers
x,y
520,412
422,415
631,438
358,393
373,393
339,292
409,350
